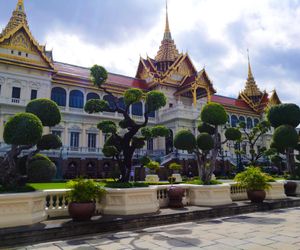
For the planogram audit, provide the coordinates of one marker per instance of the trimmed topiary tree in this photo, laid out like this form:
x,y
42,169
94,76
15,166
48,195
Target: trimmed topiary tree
x,y
214,116
285,118
121,146
251,138
23,131
200,146
41,169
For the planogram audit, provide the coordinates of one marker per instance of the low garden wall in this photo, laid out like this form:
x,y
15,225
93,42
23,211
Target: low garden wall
x,y
29,208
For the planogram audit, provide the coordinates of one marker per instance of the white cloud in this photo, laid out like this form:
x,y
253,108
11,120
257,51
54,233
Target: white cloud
x,y
269,23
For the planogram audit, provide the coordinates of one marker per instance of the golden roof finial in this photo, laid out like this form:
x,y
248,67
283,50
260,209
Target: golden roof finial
x,y
18,17
20,6
251,89
250,75
167,34
167,50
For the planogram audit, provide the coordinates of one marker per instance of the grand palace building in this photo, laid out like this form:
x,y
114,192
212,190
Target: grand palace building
x,y
28,71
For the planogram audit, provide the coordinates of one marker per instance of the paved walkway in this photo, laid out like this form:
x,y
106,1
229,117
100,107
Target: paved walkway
x,y
278,229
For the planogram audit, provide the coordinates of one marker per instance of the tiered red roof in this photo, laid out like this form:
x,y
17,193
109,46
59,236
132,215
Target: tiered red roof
x,y
72,71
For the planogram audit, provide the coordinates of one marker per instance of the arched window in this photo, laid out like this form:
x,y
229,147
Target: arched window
x,y
256,121
76,99
110,101
249,123
242,119
59,95
92,96
137,109
121,103
234,121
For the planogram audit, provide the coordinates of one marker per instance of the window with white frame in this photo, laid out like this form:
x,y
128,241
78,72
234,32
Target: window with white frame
x,y
74,139
92,140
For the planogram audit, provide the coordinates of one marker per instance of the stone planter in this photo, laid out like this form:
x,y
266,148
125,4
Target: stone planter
x,y
209,195
276,191
177,177
128,201
298,188
152,178
297,192
20,209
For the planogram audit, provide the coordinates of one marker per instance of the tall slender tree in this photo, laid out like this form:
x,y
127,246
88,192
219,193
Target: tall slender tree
x,y
129,134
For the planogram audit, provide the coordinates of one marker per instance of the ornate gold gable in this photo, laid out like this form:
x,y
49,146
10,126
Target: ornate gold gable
x,y
274,99
196,86
17,38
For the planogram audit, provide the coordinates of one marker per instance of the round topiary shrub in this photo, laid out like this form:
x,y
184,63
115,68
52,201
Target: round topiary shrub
x,y
282,114
132,96
214,114
155,100
204,127
95,106
233,134
23,129
41,169
107,127
185,140
285,136
46,110
205,141
99,75
49,141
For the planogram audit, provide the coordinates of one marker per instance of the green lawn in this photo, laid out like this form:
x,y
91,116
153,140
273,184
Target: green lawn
x,y
50,185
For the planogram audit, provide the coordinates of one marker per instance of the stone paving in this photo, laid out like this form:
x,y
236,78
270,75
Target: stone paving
x,y
277,229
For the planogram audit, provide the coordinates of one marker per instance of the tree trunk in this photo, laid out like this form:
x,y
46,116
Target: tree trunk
x,y
290,161
127,164
11,176
214,154
199,162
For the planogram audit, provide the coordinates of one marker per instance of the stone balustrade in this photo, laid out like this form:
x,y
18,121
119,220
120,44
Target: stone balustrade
x,y
28,208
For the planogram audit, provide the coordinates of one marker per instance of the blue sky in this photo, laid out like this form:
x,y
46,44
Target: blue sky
x,y
215,33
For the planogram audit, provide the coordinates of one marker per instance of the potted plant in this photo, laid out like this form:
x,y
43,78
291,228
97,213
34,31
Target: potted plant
x,y
82,198
255,182
153,166
175,167
175,193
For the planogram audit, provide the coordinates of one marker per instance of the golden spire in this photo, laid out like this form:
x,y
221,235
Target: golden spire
x,y
167,51
251,89
250,75
167,34
18,17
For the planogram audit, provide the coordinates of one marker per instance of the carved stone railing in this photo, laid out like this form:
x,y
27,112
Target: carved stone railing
x,y
163,198
238,193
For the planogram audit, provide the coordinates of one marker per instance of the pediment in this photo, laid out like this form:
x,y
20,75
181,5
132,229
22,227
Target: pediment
x,y
19,45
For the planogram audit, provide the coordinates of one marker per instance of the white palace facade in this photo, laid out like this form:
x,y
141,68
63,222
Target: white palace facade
x,y
28,71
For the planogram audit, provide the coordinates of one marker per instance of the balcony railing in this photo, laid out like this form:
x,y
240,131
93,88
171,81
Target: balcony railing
x,y
13,101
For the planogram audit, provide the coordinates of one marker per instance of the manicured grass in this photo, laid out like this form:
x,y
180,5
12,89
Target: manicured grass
x,y
50,185
200,182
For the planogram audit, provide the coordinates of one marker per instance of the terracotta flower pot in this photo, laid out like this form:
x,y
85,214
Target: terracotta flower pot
x,y
290,188
81,211
175,196
256,196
